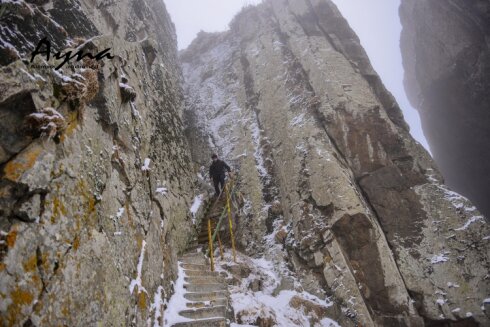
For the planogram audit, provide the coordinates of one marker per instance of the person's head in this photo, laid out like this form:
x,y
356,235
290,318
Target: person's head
x,y
214,157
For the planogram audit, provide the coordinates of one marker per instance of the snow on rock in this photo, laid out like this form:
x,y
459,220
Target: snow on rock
x,y
471,221
137,281
440,301
280,308
146,165
452,285
196,204
177,302
259,157
48,122
442,257
120,213
161,190
157,305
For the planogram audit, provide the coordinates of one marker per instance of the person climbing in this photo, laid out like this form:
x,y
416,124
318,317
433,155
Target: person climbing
x,y
217,173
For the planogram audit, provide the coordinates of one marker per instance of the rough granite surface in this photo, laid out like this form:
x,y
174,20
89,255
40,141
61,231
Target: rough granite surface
x,y
96,181
328,169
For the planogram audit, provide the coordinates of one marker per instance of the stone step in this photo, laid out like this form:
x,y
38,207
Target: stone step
x,y
211,312
206,296
202,235
208,303
201,273
214,322
192,266
194,246
202,239
198,260
193,254
205,287
205,233
204,279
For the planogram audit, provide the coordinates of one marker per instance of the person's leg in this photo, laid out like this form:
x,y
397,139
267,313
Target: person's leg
x,y
216,182
222,183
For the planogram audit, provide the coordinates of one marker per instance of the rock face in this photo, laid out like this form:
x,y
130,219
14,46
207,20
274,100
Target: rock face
x,y
446,55
95,171
328,169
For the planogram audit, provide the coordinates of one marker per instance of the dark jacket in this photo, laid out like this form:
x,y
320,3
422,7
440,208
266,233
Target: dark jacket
x,y
217,169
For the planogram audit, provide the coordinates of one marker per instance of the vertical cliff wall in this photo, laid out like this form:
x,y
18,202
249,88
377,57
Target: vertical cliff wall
x,y
446,55
329,170
95,170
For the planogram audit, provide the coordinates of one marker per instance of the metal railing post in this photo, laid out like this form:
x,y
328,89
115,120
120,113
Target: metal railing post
x,y
210,245
230,223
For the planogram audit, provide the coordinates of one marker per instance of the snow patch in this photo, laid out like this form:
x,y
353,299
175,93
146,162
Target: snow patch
x,y
146,165
177,302
137,281
442,257
161,190
196,204
471,221
120,213
157,305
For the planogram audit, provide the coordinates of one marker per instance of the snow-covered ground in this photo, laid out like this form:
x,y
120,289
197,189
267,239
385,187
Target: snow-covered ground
x,y
258,294
265,302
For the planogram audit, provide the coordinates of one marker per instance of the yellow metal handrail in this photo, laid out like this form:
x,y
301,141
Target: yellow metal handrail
x,y
226,210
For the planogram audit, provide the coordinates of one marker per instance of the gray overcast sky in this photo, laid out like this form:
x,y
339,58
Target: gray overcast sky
x,y
376,22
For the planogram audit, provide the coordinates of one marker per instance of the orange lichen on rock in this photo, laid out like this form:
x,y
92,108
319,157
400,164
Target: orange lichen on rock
x,y
24,161
76,243
11,238
71,124
30,264
19,299
142,301
58,209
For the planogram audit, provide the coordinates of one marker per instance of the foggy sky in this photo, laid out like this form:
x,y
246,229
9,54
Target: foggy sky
x,y
376,22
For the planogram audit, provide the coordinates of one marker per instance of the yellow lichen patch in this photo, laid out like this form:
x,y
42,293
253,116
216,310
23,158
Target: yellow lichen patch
x,y
65,308
38,307
139,240
72,123
2,266
24,161
130,217
89,198
11,238
45,261
30,264
142,301
58,209
76,243
37,280
19,299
